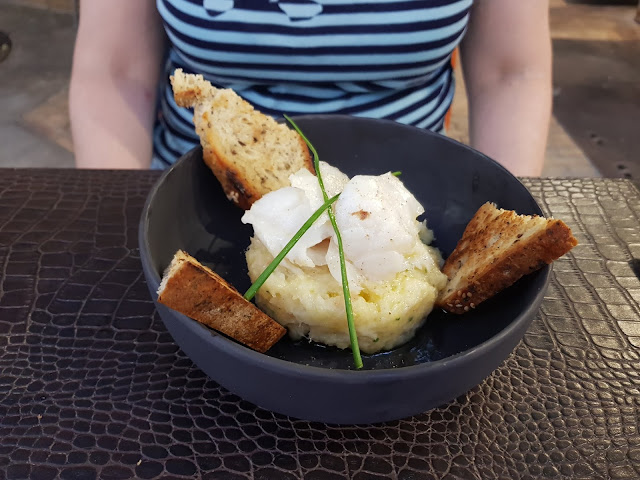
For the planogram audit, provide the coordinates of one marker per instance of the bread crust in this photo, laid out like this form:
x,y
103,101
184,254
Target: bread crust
x,y
240,192
199,293
551,239
243,177
188,90
234,184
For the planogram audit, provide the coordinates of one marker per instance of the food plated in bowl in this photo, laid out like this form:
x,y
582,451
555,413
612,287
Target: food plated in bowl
x,y
449,354
393,274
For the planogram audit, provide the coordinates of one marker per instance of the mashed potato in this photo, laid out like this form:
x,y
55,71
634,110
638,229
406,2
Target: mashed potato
x,y
308,302
394,276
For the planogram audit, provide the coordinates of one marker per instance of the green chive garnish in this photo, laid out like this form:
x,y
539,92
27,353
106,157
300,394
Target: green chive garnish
x,y
355,349
396,174
287,248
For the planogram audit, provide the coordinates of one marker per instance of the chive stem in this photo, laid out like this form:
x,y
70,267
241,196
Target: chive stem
x,y
287,248
353,337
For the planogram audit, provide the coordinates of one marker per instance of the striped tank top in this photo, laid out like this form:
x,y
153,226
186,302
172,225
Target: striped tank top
x,y
372,58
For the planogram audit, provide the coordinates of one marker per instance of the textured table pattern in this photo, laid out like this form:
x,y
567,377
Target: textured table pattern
x,y
93,387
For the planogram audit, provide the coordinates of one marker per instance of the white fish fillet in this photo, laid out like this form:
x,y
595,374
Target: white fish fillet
x,y
376,216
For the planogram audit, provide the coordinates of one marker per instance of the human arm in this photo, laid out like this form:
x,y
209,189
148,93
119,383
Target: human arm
x,y
506,60
116,64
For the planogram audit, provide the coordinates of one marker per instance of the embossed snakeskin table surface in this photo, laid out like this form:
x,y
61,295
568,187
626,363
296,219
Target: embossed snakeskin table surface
x,y
93,387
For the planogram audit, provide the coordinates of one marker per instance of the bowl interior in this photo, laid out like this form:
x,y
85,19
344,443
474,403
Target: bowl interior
x,y
188,210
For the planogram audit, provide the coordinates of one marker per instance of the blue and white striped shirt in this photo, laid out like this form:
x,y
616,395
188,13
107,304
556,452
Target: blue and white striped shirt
x,y
372,58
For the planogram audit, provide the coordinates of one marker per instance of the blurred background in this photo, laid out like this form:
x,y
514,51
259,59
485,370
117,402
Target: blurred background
x,y
595,130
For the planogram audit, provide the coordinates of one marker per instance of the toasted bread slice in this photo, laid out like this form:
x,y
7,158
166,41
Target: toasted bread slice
x,y
249,153
496,249
197,292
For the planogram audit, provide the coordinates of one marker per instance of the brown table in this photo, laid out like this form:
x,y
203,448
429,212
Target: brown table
x,y
92,385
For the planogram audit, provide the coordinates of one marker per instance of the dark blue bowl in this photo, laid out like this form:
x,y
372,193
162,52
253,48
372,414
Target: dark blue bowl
x,y
450,354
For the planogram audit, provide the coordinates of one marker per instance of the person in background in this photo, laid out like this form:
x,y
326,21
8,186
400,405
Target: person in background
x,y
378,58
